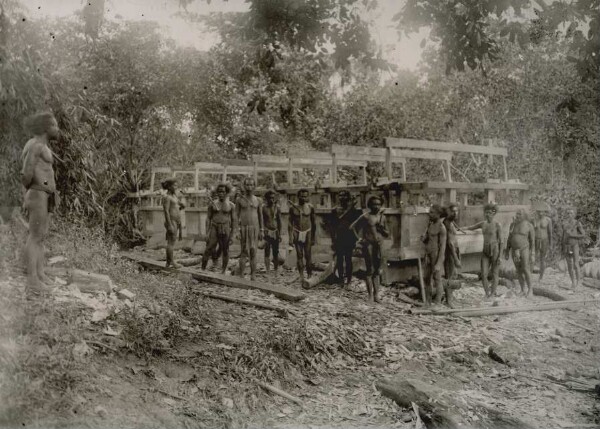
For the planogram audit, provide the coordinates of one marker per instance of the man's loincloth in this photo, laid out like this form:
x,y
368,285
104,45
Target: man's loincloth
x,y
248,239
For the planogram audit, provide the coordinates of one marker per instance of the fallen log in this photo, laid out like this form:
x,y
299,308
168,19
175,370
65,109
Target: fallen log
x,y
221,279
445,311
318,279
540,291
282,311
441,409
402,297
577,325
280,392
490,311
591,283
188,262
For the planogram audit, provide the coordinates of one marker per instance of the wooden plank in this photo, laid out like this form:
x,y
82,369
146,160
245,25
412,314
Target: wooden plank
x,y
271,160
221,279
366,153
443,146
421,154
469,186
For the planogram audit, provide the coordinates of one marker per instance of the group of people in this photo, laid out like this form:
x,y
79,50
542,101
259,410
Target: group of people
x,y
349,227
525,239
260,221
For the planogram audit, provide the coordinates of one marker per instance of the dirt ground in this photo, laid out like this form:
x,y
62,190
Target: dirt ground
x,y
171,357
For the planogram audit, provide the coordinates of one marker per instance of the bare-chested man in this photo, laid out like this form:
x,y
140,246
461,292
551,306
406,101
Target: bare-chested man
x,y
573,232
452,261
249,214
221,222
272,224
521,242
492,248
171,207
435,253
302,228
543,238
37,176
344,239
373,230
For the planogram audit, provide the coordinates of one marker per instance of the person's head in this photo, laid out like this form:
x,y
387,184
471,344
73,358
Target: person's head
x,y
42,123
249,185
452,211
435,212
374,204
270,197
344,198
170,185
489,211
571,213
302,196
223,189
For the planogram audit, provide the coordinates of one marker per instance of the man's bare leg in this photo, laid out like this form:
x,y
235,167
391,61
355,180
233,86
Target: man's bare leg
x,y
569,260
267,254
485,264
31,257
369,282
376,278
576,266
37,207
252,264
40,266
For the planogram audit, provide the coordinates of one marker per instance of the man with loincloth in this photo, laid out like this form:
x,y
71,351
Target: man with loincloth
x,y
452,261
372,232
435,253
302,228
521,242
171,207
37,176
272,224
344,239
249,215
221,221
492,247
573,232
543,238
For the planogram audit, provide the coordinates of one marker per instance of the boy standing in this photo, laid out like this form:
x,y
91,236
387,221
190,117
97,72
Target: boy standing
x,y
171,207
452,261
373,231
272,225
435,253
543,238
572,232
492,247
221,221
249,213
302,229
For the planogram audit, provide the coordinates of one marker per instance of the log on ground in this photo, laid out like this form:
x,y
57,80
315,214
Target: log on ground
x,y
489,311
591,283
540,291
441,409
221,279
282,311
320,278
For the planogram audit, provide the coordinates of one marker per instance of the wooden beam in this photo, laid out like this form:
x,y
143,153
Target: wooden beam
x,y
334,167
479,186
421,154
403,162
221,279
388,163
505,169
365,153
290,173
396,143
255,172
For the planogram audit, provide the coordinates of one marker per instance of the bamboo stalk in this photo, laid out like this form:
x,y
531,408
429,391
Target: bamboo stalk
x,y
280,392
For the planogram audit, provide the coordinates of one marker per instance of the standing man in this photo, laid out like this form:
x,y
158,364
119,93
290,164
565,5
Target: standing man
x,y
435,252
37,176
302,229
492,247
452,261
221,221
272,224
573,232
249,213
171,207
344,239
543,238
521,241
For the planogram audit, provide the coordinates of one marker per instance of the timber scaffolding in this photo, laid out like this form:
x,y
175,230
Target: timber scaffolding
x,y
405,211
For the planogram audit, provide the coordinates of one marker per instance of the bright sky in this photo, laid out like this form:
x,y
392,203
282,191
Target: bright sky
x,y
405,53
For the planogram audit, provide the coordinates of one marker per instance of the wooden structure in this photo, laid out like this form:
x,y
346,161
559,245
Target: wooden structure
x,y
407,203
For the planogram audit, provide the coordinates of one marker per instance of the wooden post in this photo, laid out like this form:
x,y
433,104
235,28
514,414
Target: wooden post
x,y
196,179
448,171
404,170
525,197
364,171
464,199
224,173
388,162
334,169
505,169
152,181
490,195
255,173
290,172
